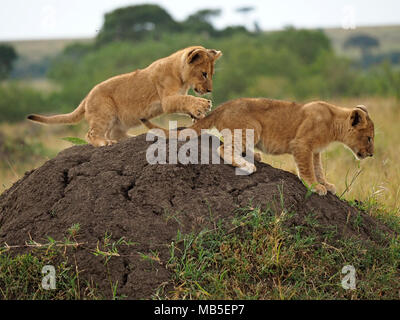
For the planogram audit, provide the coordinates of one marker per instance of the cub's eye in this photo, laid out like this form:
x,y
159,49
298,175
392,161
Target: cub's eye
x,y
369,139
205,75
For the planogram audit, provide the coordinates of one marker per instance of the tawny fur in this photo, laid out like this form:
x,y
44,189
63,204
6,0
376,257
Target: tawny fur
x,y
117,104
287,127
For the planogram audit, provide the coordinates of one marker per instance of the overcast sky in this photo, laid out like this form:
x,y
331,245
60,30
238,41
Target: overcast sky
x,y
39,19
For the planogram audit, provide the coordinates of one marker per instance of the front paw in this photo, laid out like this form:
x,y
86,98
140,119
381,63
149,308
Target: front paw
x,y
330,187
248,168
105,143
257,156
200,108
319,189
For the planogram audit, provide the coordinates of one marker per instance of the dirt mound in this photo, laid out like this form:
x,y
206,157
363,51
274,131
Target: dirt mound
x,y
115,191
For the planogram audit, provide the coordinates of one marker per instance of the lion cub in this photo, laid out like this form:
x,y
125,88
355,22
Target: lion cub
x,y
117,104
287,127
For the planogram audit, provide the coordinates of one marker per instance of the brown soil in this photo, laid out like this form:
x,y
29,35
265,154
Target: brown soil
x,y
114,190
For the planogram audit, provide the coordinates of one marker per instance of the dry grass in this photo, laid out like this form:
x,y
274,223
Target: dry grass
x,y
378,180
36,50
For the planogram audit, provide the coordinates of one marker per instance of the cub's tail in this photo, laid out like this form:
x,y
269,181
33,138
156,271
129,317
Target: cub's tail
x,y
69,118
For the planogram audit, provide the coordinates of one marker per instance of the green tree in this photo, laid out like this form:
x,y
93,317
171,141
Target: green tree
x,y
306,44
245,11
136,23
7,56
362,42
201,22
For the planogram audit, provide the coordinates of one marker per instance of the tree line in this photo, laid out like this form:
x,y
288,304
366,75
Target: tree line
x,y
288,64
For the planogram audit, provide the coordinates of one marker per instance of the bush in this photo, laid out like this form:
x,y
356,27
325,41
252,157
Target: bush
x,y
17,102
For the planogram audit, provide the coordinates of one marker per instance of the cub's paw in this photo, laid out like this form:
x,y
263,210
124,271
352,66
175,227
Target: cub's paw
x,y
330,187
103,142
109,142
248,168
200,108
320,189
257,156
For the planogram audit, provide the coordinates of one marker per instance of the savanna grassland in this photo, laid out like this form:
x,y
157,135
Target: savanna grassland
x,y
266,260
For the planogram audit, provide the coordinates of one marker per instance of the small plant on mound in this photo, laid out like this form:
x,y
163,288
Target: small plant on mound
x,y
108,249
262,258
75,141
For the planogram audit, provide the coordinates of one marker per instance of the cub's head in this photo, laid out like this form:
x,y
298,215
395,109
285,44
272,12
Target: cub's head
x,y
360,135
198,69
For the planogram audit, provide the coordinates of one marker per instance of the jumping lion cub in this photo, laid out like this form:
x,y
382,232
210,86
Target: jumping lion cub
x,y
287,127
117,104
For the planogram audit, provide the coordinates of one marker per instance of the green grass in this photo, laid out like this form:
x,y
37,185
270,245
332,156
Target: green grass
x,y
21,277
21,274
261,258
256,256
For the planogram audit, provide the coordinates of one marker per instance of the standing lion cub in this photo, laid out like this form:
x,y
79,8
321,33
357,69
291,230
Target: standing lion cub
x,y
287,127
117,104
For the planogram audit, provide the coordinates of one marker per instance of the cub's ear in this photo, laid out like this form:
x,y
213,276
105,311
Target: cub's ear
x,y
363,108
196,56
358,118
215,53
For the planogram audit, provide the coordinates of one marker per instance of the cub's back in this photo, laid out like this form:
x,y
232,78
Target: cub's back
x,y
275,115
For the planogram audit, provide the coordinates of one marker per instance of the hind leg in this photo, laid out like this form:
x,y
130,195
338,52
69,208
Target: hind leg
x,y
225,152
117,133
257,156
101,118
231,151
96,136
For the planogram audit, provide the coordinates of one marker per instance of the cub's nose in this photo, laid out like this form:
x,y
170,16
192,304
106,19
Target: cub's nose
x,y
209,90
